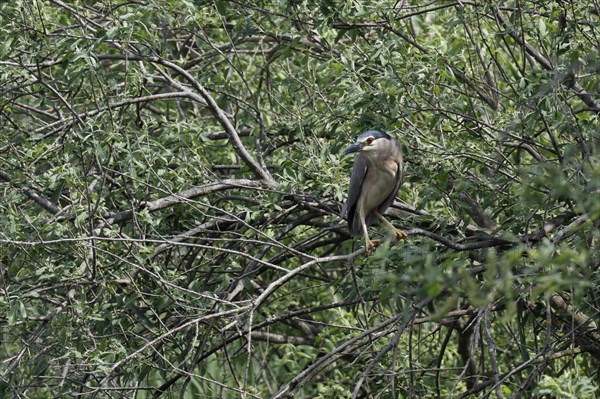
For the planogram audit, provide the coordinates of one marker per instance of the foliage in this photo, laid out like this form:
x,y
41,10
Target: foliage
x,y
172,178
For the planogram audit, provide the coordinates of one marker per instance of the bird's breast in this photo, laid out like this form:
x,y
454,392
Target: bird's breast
x,y
378,185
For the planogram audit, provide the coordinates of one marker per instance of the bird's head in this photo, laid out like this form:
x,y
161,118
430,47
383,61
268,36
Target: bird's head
x,y
371,140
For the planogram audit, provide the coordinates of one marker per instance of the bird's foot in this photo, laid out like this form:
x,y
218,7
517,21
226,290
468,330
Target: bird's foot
x,y
399,235
371,246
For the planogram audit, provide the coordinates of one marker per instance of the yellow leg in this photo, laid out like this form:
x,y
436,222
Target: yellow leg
x,y
398,234
370,246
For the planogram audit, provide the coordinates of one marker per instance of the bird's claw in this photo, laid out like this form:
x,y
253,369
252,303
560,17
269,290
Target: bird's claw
x,y
399,235
371,246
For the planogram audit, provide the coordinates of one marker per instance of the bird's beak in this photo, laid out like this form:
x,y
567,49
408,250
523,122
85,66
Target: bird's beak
x,y
353,148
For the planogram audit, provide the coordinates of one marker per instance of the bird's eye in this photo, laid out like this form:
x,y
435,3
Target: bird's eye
x,y
370,140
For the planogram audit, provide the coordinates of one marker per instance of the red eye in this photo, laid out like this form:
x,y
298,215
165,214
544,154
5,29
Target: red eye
x,y
370,140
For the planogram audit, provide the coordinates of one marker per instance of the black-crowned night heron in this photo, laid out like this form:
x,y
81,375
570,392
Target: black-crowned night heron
x,y
375,180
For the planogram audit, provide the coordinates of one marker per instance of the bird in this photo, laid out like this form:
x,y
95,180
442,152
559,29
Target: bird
x,y
375,180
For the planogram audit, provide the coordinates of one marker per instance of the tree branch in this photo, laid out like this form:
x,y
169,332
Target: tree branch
x,y
41,201
485,242
544,62
203,98
170,200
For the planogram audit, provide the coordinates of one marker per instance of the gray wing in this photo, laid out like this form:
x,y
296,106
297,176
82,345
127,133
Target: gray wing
x,y
359,170
390,200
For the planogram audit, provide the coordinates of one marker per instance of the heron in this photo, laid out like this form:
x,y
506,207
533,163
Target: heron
x,y
374,183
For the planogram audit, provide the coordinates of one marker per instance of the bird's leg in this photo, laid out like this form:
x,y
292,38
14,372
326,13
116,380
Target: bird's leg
x,y
370,246
398,234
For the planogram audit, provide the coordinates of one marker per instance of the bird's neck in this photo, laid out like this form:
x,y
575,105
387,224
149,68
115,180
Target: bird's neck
x,y
386,164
